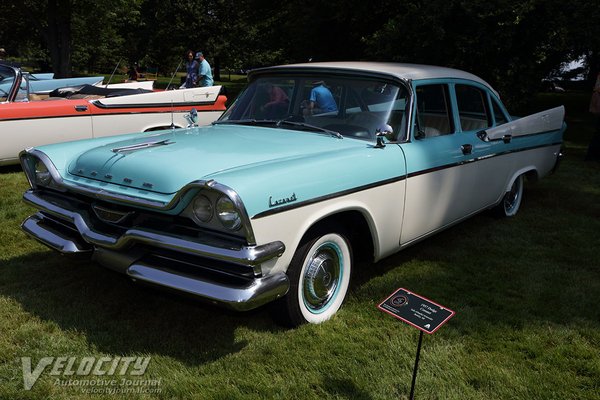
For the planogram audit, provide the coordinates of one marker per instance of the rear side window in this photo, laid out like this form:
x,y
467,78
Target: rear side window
x,y
472,108
434,110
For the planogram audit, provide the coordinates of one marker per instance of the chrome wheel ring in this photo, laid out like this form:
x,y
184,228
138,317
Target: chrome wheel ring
x,y
512,199
322,277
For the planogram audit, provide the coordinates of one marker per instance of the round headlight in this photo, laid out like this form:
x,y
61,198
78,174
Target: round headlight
x,y
228,214
42,175
202,208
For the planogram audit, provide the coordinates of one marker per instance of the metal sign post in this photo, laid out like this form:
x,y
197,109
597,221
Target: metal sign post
x,y
419,312
416,368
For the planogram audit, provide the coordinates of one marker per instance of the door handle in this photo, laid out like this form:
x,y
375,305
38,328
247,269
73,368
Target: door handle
x,y
466,148
81,108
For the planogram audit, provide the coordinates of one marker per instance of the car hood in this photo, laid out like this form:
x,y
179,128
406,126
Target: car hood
x,y
167,161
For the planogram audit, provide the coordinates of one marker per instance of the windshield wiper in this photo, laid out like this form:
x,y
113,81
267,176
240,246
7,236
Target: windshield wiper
x,y
278,124
311,127
247,122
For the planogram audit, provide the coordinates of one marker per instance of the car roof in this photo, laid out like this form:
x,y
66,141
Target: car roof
x,y
398,70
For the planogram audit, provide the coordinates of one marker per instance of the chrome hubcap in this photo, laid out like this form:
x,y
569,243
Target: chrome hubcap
x,y
512,198
322,277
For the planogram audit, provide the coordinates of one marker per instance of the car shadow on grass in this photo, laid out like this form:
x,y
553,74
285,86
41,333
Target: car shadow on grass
x,y
7,169
534,269
120,317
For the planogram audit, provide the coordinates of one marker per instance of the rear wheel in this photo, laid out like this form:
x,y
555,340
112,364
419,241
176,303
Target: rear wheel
x,y
319,278
511,201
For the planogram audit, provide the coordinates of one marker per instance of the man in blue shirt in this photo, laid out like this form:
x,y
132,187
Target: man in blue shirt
x,y
204,74
321,100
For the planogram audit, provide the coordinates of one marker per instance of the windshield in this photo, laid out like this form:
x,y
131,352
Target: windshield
x,y
7,79
351,107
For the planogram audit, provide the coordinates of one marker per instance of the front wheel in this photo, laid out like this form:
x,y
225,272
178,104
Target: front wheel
x,y
319,278
511,201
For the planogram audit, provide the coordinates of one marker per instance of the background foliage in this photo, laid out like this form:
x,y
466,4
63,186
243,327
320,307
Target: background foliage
x,y
513,44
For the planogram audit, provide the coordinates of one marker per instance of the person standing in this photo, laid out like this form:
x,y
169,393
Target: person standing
x,y
205,77
133,74
4,61
191,79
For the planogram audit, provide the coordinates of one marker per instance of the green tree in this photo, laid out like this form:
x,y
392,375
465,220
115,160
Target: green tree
x,y
66,34
511,43
584,35
105,33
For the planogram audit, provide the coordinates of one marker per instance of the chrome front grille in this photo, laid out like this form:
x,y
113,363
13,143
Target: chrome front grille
x,y
111,215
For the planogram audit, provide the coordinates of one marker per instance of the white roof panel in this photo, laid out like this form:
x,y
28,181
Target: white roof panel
x,y
399,70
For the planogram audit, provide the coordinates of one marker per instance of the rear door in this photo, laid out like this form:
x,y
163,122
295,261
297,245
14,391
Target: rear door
x,y
484,172
452,173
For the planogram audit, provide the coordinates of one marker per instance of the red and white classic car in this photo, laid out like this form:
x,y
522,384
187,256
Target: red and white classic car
x,y
87,112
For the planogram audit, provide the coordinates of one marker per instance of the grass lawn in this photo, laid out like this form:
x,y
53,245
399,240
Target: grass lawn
x,y
525,291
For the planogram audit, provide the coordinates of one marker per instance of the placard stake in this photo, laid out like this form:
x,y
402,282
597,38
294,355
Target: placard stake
x,y
414,378
418,311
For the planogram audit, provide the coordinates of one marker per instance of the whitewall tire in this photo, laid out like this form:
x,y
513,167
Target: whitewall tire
x,y
509,206
319,278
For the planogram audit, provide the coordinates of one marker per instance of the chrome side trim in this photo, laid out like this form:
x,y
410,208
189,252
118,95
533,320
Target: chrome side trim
x,y
476,159
328,197
103,194
112,114
391,180
100,104
213,248
240,298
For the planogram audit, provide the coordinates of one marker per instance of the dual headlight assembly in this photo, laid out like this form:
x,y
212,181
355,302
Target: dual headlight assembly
x,y
42,175
224,209
36,171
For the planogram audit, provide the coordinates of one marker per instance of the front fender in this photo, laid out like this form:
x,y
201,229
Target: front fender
x,y
381,206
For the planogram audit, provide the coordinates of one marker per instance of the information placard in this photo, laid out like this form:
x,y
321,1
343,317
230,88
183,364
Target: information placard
x,y
416,310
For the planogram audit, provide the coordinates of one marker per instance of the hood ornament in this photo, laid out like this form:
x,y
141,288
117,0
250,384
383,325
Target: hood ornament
x,y
141,146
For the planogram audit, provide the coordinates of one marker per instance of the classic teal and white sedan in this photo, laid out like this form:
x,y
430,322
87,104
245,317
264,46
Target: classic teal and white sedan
x,y
313,166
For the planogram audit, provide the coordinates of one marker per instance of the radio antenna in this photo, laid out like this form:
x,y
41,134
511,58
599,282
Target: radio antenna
x,y
113,73
173,76
172,111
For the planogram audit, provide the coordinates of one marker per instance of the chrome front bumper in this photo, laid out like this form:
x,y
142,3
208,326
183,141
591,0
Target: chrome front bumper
x,y
69,230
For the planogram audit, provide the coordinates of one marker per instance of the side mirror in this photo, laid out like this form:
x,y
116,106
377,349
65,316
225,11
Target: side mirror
x,y
192,118
385,130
